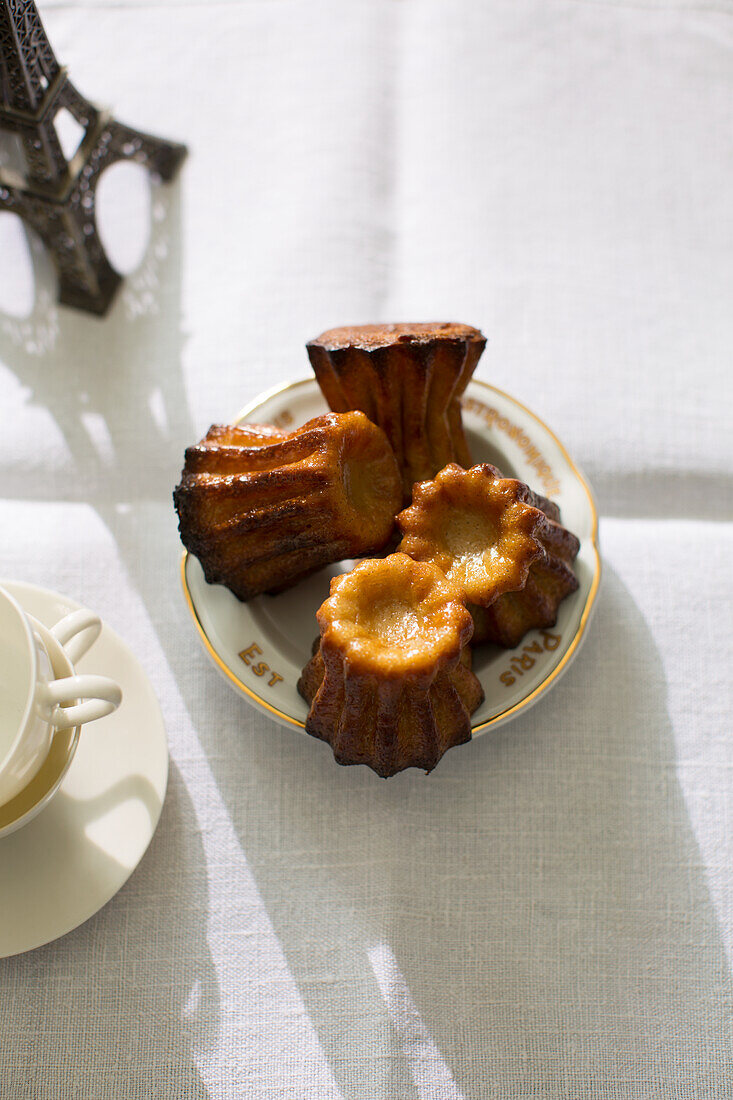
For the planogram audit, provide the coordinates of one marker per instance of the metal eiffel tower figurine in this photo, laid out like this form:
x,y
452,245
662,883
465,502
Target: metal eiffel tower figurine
x,y
57,196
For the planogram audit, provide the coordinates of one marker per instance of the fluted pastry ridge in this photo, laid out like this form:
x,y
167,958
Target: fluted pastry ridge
x,y
409,379
262,508
390,684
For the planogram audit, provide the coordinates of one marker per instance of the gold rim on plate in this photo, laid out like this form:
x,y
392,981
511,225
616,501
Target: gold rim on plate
x,y
503,715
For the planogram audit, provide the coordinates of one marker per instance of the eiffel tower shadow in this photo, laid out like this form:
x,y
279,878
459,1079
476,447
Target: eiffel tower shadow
x,y
113,387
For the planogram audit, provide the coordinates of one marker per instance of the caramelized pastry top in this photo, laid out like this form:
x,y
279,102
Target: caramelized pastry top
x,y
394,617
483,530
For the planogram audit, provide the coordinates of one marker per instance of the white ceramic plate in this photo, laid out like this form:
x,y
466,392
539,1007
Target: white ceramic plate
x,y
66,863
262,646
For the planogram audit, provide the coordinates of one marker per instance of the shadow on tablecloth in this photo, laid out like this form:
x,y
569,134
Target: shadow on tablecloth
x,y
531,920
113,386
117,1007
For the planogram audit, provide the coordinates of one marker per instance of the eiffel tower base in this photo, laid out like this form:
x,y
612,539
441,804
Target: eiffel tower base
x,y
66,222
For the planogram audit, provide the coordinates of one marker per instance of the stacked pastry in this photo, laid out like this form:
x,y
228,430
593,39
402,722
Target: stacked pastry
x,y
481,559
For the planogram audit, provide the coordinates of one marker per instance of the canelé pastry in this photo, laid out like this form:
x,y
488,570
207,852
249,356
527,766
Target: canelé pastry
x,y
499,542
409,379
261,508
390,685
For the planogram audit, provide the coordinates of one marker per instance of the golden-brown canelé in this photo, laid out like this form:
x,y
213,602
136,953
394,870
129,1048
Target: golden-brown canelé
x,y
390,685
261,508
409,379
499,542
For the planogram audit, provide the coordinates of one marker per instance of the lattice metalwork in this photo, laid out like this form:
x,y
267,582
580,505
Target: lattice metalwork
x,y
57,196
27,62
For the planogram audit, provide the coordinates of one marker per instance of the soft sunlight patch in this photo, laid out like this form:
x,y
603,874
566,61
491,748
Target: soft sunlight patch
x,y
124,214
17,283
69,132
432,1077
98,432
120,830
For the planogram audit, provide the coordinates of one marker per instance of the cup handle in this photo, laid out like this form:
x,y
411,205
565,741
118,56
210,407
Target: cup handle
x,y
101,696
77,632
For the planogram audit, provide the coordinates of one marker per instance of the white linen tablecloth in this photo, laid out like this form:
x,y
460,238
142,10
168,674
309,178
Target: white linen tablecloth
x,y
550,914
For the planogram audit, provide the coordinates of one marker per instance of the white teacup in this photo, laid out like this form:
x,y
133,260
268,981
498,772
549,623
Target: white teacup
x,y
34,704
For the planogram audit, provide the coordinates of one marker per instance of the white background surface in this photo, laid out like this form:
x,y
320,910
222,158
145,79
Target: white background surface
x,y
550,914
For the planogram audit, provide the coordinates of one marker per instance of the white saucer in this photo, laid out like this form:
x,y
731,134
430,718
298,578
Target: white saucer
x,y
262,646
66,863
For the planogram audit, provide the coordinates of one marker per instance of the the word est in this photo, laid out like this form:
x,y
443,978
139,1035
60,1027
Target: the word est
x,y
521,663
261,668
